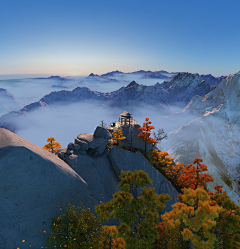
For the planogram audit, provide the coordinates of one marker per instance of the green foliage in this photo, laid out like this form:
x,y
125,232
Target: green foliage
x,y
124,147
77,227
137,230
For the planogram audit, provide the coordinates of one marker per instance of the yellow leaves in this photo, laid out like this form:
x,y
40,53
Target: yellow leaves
x,y
117,135
110,236
51,145
195,213
187,233
158,158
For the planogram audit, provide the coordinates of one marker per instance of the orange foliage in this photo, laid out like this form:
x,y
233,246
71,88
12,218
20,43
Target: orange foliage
x,y
145,136
51,145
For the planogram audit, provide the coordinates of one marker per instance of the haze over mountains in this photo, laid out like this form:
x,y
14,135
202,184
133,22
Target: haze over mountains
x,y
199,113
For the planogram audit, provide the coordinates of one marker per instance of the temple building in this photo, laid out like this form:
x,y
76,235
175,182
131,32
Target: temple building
x,y
125,118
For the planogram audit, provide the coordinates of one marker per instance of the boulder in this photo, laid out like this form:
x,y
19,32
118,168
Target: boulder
x,y
36,183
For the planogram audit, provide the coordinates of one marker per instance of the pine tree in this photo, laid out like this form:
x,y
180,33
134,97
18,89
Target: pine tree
x,y
196,217
136,230
51,145
227,234
228,222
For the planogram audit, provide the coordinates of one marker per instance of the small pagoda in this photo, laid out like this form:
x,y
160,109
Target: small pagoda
x,y
125,118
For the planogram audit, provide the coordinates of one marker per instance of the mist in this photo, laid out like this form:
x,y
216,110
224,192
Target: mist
x,y
65,123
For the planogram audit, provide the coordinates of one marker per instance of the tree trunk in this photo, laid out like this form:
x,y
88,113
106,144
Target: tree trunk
x,y
190,245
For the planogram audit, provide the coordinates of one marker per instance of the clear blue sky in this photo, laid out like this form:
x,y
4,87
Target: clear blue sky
x,y
82,37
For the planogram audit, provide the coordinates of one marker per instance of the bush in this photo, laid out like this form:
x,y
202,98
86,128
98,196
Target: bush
x,y
124,147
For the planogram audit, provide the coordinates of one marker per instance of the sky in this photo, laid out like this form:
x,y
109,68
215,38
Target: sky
x,y
76,38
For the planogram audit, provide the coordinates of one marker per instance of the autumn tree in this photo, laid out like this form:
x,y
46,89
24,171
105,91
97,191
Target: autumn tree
x,y
170,238
117,135
51,145
193,179
165,165
228,222
145,134
110,239
197,217
137,230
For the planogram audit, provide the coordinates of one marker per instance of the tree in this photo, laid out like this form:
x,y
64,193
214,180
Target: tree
x,y
191,178
187,180
170,239
117,135
77,227
228,222
165,166
136,230
196,217
111,239
159,137
103,125
51,145
145,136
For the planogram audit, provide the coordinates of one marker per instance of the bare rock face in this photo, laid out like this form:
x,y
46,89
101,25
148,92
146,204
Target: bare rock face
x,y
35,183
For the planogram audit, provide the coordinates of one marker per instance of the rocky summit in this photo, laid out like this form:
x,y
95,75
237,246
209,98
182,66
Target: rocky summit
x,y
36,185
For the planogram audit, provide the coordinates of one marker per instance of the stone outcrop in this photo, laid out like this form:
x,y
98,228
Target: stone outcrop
x,y
35,183
92,144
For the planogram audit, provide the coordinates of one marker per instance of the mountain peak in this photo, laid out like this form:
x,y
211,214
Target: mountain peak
x,y
91,75
186,76
111,73
133,83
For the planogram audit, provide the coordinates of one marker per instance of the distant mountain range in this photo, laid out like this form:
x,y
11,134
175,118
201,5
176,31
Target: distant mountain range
x,y
161,92
207,122
179,91
104,78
